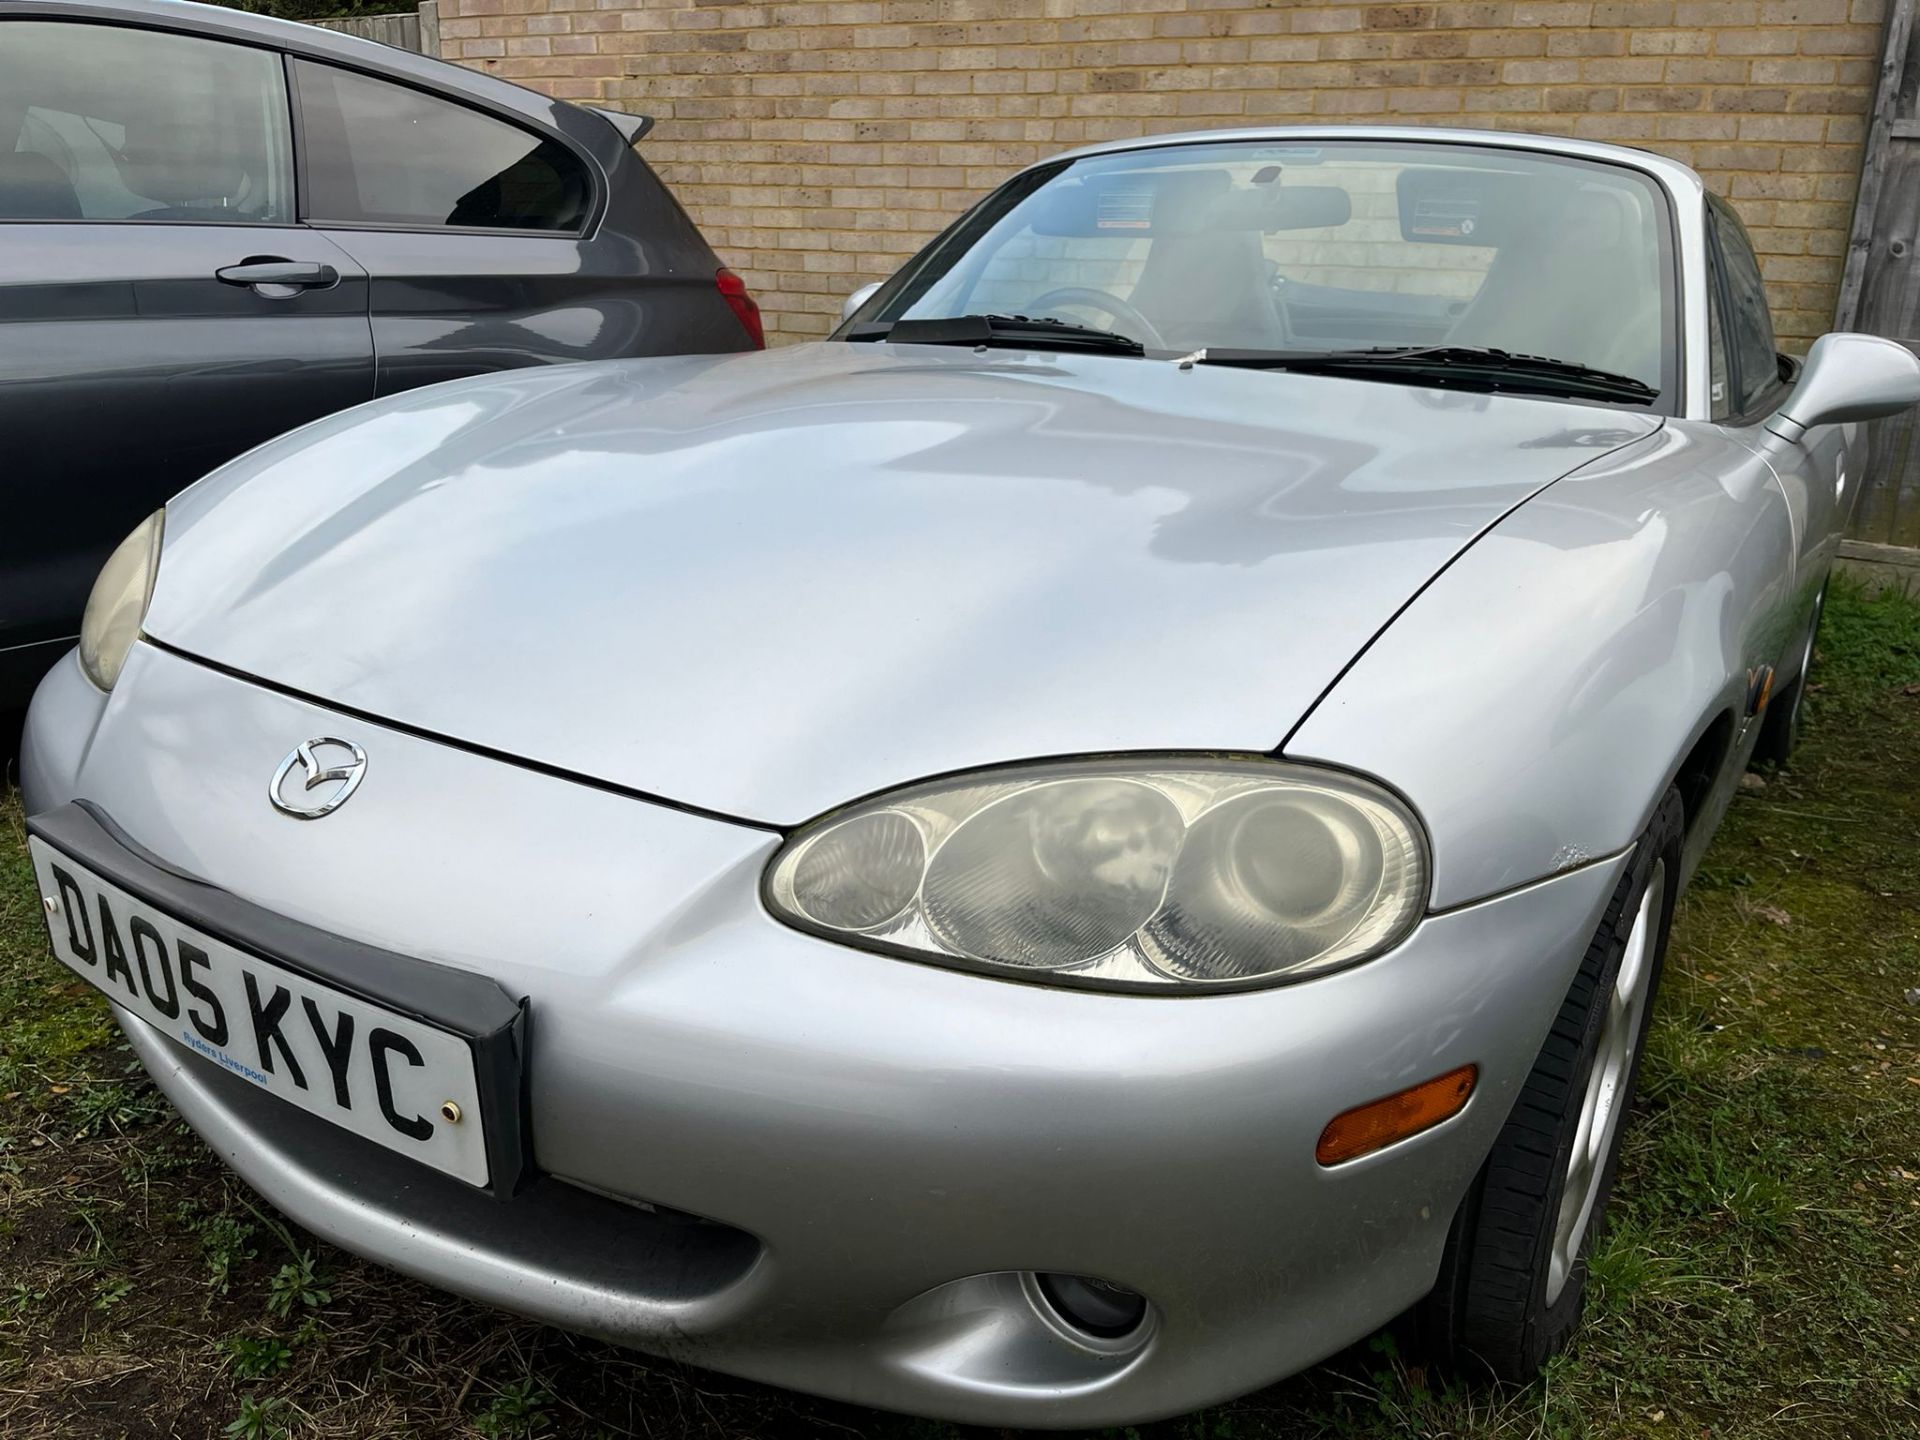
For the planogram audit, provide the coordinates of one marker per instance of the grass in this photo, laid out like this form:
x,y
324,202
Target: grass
x,y
1758,1279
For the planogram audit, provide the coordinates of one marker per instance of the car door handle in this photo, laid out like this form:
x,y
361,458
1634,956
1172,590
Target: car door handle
x,y
298,274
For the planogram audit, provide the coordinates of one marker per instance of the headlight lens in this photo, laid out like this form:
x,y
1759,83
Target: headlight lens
x,y
119,602
1121,874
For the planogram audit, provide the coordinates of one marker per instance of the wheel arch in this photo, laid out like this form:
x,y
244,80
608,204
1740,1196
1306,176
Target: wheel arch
x,y
1703,765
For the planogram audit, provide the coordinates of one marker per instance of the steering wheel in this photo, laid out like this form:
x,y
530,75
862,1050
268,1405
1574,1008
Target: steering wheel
x,y
1113,305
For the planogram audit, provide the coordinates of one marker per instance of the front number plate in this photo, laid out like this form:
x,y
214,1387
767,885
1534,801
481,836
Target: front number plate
x,y
374,1071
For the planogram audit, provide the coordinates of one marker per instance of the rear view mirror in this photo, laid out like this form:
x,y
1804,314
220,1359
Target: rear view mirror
x,y
1848,377
858,298
1271,208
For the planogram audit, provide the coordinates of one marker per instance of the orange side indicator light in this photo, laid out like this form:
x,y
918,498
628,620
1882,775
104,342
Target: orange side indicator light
x,y
1380,1123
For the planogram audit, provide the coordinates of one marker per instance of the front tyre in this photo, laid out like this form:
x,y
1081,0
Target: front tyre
x,y
1513,1279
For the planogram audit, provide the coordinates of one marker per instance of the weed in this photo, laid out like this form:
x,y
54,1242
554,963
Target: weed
x,y
517,1411
20,1297
254,1357
226,1242
297,1285
260,1420
109,1107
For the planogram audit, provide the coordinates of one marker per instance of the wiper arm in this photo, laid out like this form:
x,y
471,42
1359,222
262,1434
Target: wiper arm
x,y
1022,330
1480,366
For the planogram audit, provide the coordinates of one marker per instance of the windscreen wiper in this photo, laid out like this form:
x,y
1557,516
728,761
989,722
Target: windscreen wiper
x,y
1469,366
1024,331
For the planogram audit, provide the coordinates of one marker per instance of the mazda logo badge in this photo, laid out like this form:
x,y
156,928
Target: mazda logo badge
x,y
344,773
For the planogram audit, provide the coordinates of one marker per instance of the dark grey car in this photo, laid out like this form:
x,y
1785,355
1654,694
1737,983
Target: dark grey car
x,y
216,226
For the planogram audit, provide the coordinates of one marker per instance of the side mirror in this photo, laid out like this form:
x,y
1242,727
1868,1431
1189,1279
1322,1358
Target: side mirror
x,y
1848,377
857,299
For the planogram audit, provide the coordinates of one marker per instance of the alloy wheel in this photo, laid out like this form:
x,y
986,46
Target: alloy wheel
x,y
1607,1096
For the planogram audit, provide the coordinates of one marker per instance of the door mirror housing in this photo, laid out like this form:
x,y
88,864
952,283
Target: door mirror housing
x,y
857,299
1848,377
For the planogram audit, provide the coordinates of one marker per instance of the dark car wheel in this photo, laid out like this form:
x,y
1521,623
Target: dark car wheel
x,y
1513,1279
1780,730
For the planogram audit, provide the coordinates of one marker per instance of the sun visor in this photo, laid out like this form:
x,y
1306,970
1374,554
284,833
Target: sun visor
x,y
1185,202
1448,205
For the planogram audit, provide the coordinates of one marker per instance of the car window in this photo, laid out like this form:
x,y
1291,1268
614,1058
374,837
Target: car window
x,y
98,122
1363,250
1720,382
1749,323
377,153
1326,246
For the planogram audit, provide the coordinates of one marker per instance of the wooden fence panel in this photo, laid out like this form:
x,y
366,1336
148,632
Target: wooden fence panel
x,y
1881,289
404,31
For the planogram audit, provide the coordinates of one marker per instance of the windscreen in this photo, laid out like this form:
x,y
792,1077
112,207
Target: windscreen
x,y
1333,246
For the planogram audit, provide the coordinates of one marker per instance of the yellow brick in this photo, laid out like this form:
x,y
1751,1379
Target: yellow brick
x,y
1587,42
1670,42
1667,98
1755,42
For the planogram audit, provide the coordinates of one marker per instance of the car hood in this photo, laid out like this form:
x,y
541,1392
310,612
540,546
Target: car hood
x,y
766,584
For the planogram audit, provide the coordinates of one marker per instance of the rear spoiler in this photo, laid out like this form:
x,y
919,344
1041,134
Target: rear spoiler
x,y
631,127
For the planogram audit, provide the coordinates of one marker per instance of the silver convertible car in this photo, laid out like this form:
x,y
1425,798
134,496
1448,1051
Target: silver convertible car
x,y
1048,860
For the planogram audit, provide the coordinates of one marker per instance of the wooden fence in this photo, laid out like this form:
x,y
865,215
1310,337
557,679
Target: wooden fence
x,y
417,30
1880,291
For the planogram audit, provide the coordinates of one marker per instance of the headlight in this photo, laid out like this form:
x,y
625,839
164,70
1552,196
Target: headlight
x,y
1122,874
119,602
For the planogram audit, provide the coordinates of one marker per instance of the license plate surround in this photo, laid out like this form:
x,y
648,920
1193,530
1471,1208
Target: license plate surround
x,y
473,1010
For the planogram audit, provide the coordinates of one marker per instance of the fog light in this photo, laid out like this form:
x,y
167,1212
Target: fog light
x,y
1098,1307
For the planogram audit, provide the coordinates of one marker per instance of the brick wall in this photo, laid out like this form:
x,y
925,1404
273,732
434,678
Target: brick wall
x,y
819,143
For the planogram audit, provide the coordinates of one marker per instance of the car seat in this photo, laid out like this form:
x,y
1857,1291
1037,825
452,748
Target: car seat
x,y
1205,284
1573,280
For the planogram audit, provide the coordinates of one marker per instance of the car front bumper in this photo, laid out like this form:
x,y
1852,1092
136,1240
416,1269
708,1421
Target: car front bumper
x,y
878,1151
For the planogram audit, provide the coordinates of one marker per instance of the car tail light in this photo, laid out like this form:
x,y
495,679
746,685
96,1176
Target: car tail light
x,y
733,290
